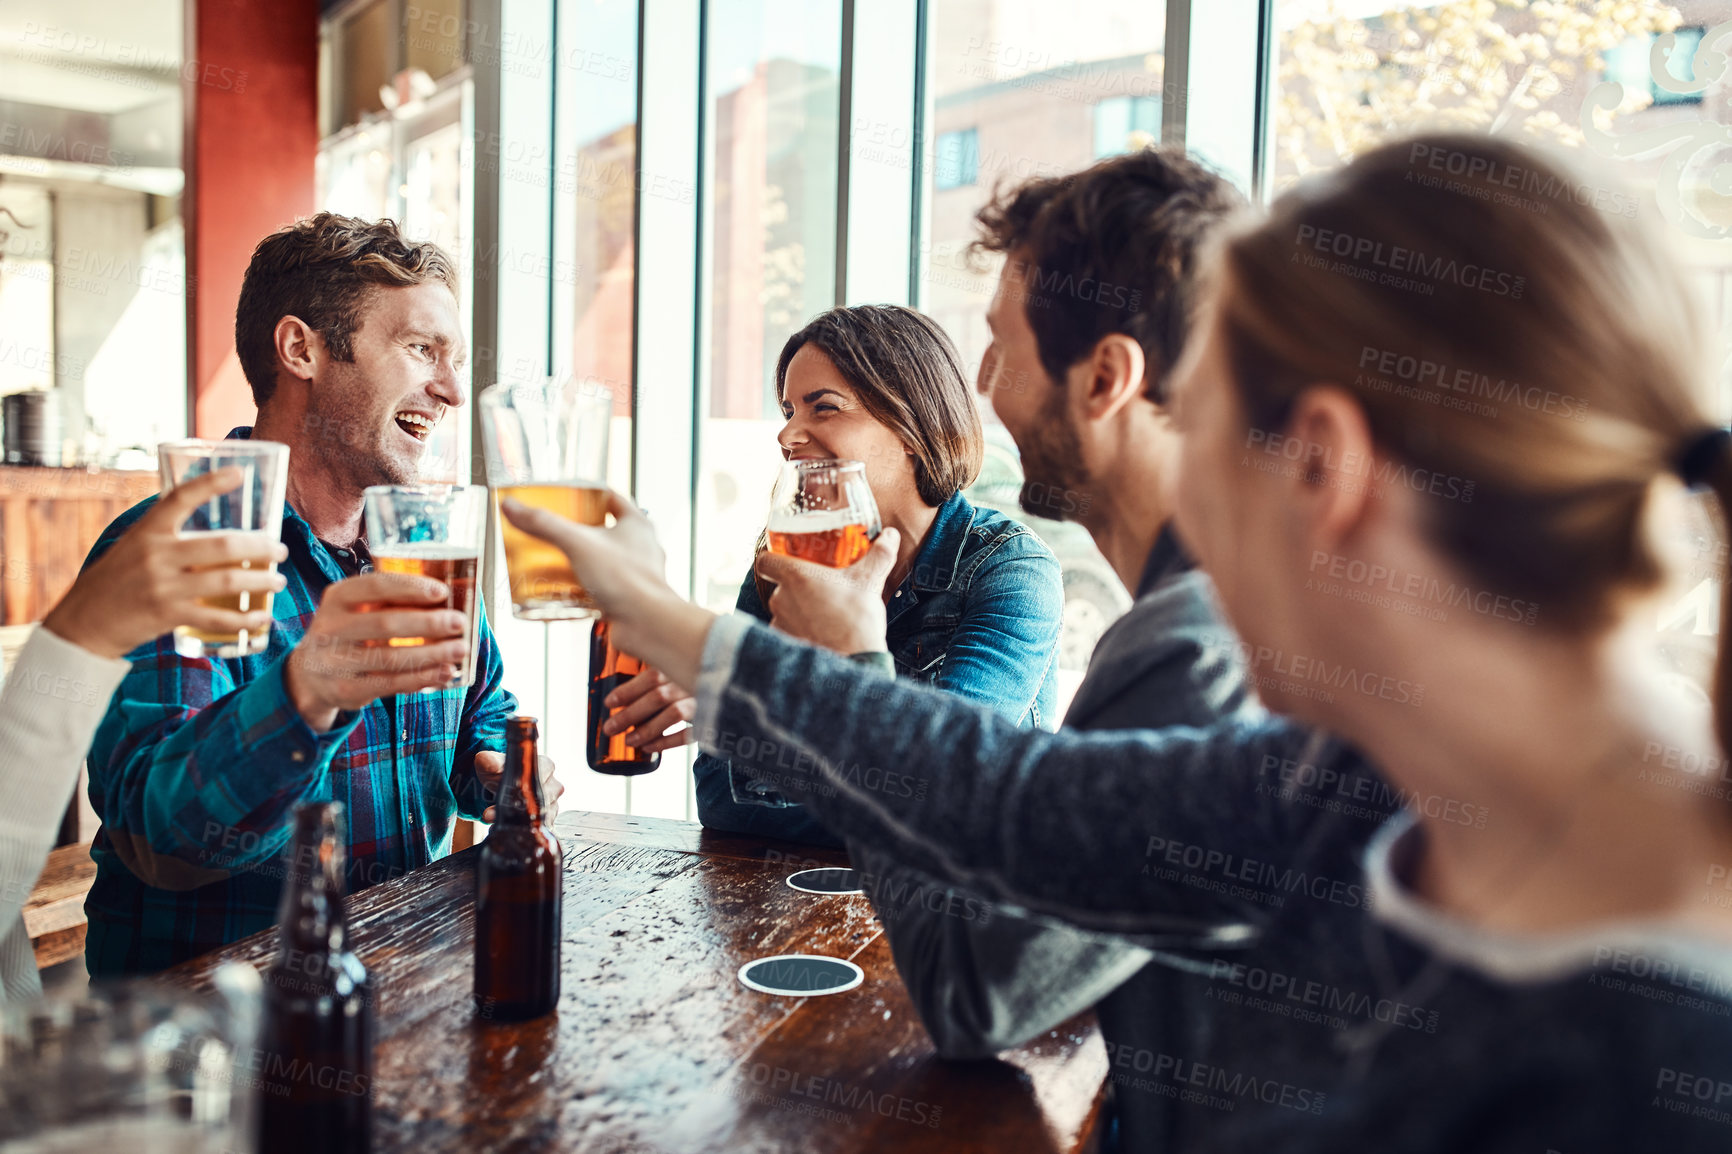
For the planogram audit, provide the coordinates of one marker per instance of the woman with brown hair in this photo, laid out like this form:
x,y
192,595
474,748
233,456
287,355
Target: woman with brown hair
x,y
974,598
1466,895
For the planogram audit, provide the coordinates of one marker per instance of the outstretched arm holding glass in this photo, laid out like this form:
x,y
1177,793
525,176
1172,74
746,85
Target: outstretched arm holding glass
x,y
782,707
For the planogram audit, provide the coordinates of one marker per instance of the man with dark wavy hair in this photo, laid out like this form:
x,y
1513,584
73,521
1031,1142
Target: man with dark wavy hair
x,y
349,336
1091,313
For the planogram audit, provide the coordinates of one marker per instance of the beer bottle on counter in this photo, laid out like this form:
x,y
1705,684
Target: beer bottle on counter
x,y
608,670
517,893
316,1036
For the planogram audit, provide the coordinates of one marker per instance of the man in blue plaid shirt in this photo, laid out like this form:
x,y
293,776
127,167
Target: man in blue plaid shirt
x,y
348,335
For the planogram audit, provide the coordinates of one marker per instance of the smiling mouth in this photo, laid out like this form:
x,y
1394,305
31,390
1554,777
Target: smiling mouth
x,y
417,425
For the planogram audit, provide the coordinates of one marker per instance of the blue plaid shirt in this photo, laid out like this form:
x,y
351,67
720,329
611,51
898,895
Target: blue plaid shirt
x,y
196,767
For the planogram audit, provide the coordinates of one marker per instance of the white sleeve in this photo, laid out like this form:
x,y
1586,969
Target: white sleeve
x,y
50,706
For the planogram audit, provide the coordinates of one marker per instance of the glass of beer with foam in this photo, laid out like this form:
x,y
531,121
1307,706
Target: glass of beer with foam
x,y
433,531
823,511
546,445
254,509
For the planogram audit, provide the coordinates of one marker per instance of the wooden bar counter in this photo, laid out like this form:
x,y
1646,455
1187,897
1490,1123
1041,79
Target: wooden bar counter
x,y
656,1046
49,519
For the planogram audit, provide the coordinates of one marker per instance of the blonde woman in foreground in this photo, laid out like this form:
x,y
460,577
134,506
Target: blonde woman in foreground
x,y
1460,896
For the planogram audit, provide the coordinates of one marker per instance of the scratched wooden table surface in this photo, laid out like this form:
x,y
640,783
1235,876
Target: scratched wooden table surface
x,y
656,1046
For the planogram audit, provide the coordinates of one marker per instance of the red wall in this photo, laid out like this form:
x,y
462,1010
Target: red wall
x,y
251,87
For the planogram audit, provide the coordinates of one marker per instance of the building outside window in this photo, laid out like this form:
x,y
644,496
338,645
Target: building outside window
x,y
1577,77
772,119
957,162
1629,64
1126,123
1038,90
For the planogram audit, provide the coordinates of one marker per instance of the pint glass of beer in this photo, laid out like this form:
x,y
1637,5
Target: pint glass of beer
x,y
433,531
823,511
546,445
254,509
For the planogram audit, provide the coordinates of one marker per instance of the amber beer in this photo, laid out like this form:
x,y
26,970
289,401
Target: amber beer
x,y
835,539
457,569
517,893
316,1040
234,602
610,668
543,587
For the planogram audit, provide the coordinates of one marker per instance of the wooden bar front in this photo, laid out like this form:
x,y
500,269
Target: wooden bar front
x,y
49,519
656,1046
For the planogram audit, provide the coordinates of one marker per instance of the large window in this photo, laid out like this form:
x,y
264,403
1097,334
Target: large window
x,y
773,70
1035,89
413,167
592,306
1348,80
416,156
666,237
593,275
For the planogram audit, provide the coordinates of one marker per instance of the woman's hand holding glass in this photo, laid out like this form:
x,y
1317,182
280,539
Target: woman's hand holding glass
x,y
839,609
153,579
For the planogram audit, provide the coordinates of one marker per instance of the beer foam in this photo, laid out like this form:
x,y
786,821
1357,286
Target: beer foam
x,y
821,521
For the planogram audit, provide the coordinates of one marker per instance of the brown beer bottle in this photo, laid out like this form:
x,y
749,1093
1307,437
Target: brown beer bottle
x,y
517,893
316,1036
608,670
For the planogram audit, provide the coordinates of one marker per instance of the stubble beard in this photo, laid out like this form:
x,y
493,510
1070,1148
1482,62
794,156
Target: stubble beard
x,y
361,459
1054,478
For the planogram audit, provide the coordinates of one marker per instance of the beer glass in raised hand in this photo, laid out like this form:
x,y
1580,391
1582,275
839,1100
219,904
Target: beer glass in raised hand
x,y
254,510
823,511
433,531
546,446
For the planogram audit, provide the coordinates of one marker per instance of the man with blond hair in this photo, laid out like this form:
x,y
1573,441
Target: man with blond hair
x,y
348,334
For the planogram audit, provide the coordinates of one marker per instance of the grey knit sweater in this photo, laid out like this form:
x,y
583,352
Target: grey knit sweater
x,y
984,980
1337,1012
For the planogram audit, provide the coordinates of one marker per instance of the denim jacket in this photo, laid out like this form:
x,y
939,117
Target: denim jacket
x,y
978,615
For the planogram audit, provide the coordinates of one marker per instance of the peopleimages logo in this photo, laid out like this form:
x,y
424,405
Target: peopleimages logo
x,y
1444,378
780,1080
1288,995
1486,178
1357,250
1274,449
1299,778
1201,860
1327,568
1300,668
1225,1088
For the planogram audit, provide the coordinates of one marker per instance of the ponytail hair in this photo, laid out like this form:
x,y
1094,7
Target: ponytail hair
x,y
1502,331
